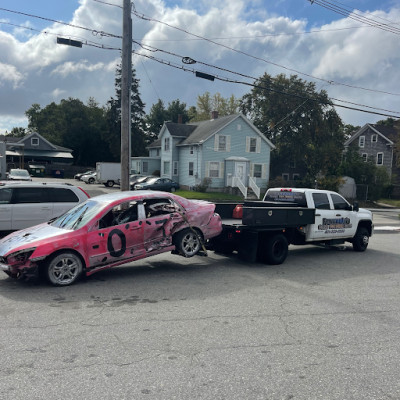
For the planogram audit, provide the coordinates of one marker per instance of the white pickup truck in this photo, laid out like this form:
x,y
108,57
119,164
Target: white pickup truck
x,y
262,230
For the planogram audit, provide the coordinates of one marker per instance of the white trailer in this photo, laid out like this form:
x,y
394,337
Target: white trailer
x,y
108,173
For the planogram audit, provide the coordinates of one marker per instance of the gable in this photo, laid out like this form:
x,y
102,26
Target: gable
x,y
375,129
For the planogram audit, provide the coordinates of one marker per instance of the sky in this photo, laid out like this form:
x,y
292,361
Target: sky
x,y
237,40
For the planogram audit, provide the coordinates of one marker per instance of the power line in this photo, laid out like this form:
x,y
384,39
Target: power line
x,y
356,16
93,31
331,82
186,69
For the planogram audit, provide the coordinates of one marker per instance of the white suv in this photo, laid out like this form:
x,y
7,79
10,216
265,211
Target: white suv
x,y
24,204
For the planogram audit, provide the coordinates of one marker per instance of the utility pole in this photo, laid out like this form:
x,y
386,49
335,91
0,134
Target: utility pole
x,y
126,83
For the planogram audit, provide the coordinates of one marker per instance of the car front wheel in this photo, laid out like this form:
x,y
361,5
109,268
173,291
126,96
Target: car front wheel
x,y
187,242
63,269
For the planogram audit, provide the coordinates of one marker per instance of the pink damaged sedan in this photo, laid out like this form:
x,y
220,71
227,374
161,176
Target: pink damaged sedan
x,y
109,230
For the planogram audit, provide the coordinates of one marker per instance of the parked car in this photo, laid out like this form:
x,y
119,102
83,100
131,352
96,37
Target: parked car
x,y
89,178
109,230
164,184
19,175
134,179
24,204
79,175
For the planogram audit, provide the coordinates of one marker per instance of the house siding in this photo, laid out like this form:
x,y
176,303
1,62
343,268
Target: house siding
x,y
373,148
238,131
184,158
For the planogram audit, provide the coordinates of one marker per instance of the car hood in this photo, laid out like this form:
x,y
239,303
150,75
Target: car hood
x,y
30,237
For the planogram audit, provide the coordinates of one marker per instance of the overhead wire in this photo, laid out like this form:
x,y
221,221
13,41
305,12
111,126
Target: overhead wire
x,y
153,49
356,16
331,82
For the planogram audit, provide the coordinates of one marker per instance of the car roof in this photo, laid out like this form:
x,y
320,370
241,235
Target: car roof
x,y
34,184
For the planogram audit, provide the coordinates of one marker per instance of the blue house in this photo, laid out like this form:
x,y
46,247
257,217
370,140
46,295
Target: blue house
x,y
230,151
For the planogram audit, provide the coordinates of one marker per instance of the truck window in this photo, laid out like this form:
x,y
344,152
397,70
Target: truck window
x,y
340,203
321,201
286,196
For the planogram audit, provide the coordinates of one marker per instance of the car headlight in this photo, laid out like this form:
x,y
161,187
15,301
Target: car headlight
x,y
19,257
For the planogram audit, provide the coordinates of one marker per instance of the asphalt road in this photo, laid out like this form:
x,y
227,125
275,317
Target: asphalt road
x,y
324,325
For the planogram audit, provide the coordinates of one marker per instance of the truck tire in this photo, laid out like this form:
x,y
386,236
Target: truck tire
x,y
361,239
276,249
109,183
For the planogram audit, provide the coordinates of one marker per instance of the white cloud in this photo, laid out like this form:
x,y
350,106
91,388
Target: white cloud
x,y
9,73
38,70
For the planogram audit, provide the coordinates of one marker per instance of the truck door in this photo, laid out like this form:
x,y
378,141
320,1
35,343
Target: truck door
x,y
346,221
323,212
333,218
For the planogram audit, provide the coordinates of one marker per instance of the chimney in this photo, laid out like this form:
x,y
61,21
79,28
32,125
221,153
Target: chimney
x,y
180,120
214,114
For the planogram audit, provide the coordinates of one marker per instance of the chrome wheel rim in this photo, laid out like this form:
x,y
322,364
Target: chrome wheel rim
x,y
64,271
190,244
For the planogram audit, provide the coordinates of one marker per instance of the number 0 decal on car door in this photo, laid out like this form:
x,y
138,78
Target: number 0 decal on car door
x,y
110,246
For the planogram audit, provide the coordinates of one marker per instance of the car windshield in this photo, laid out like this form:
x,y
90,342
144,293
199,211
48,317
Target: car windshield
x,y
151,180
19,172
78,216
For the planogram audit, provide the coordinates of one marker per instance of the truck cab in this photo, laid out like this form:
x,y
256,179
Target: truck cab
x,y
335,217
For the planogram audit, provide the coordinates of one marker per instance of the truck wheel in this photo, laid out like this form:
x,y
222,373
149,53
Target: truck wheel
x,y
187,242
63,269
110,183
361,239
276,249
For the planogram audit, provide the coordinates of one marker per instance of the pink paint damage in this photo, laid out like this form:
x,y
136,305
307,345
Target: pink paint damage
x,y
111,230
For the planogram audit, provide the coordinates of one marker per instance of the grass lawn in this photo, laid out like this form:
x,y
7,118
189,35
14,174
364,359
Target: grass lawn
x,y
213,197
391,202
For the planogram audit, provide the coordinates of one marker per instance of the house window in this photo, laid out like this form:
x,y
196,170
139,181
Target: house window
x,y
285,177
191,168
221,143
166,144
145,167
253,145
296,177
34,141
214,169
292,164
364,157
379,159
191,151
175,172
239,127
374,138
158,153
167,167
257,173
361,141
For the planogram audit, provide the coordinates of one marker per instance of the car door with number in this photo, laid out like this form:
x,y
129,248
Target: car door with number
x,y
117,236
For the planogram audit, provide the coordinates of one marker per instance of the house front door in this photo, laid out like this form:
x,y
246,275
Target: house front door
x,y
240,171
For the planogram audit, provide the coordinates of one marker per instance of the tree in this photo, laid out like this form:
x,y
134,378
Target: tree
x,y
155,119
364,173
74,125
207,103
18,132
139,139
300,122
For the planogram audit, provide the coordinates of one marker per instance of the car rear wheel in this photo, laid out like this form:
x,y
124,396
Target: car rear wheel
x,y
63,269
188,242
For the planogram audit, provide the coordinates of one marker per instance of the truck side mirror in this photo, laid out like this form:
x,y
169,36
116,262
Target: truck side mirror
x,y
355,206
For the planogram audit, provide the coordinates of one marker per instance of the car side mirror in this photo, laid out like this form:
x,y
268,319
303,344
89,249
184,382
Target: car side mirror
x,y
355,206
